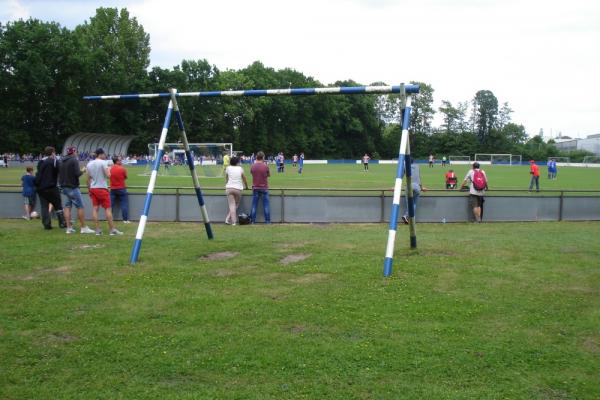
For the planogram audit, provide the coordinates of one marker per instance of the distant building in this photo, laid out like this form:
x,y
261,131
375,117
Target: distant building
x,y
590,143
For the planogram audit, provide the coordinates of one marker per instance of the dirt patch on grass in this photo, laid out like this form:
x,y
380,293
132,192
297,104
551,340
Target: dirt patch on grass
x,y
61,337
294,245
293,258
223,255
297,329
224,273
311,278
591,345
61,270
88,246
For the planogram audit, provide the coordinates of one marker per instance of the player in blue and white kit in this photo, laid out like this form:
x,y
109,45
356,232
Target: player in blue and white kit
x,y
300,162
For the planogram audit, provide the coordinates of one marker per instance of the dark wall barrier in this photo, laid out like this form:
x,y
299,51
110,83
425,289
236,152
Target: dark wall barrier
x,y
368,206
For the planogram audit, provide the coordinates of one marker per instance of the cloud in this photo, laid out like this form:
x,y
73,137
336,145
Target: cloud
x,y
12,10
539,55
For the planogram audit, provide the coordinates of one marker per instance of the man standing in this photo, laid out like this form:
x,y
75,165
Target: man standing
x,y
69,182
534,170
226,161
478,184
46,181
98,175
118,188
417,188
365,161
301,162
260,187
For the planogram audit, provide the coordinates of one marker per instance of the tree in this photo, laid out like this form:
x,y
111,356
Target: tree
x,y
114,50
422,109
452,116
485,113
504,115
38,85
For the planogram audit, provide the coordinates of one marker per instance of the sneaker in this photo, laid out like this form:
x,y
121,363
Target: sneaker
x,y
98,232
405,219
25,217
86,229
126,222
70,230
115,232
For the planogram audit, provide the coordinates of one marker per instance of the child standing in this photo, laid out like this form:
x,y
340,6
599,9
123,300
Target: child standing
x,y
27,181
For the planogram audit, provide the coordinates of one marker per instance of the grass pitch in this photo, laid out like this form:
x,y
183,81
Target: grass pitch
x,y
349,176
299,311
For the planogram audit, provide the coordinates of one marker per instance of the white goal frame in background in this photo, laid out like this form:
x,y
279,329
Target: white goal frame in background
x,y
207,167
488,158
562,161
458,160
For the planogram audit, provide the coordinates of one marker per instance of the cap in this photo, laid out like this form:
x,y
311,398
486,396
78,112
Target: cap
x,y
99,151
71,149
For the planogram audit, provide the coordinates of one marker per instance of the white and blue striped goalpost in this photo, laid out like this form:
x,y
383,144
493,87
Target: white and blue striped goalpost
x,y
172,95
404,166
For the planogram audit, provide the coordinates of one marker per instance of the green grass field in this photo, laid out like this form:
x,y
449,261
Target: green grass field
x,y
479,311
345,176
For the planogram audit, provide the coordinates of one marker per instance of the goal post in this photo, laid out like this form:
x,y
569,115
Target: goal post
x,y
457,160
591,161
562,161
207,159
498,159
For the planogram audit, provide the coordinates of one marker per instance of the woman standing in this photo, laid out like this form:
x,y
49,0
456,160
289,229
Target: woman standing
x,y
235,182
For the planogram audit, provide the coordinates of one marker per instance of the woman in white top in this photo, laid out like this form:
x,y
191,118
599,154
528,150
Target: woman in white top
x,y
235,182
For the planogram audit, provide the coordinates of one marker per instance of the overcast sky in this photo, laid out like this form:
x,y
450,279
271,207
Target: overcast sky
x,y
540,56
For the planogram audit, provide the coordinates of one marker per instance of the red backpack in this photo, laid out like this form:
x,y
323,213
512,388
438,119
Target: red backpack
x,y
479,182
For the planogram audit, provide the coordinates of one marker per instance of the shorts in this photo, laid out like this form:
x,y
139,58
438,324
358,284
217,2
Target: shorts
x,y
29,200
475,201
100,197
73,196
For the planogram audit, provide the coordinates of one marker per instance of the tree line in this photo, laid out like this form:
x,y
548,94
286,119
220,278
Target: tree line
x,y
46,69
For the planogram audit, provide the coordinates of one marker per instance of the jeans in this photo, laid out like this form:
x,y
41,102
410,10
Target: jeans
x,y
120,196
416,193
536,180
256,194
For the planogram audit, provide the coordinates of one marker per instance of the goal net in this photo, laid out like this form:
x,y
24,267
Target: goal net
x,y
459,159
562,161
207,158
591,161
498,159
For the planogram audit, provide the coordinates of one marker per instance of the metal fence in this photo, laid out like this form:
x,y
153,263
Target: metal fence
x,y
323,205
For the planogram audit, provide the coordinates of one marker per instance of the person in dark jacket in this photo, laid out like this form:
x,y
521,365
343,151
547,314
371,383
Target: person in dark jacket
x,y
68,179
46,180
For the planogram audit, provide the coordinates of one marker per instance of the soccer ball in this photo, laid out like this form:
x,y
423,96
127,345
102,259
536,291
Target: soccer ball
x,y
243,219
34,214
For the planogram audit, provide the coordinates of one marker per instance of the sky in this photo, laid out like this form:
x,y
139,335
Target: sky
x,y
540,56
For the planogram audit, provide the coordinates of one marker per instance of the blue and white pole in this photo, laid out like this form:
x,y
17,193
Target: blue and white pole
x,y
409,89
190,161
135,252
389,252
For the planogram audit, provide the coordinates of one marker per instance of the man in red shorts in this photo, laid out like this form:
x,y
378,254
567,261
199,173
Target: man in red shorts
x,y
98,175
